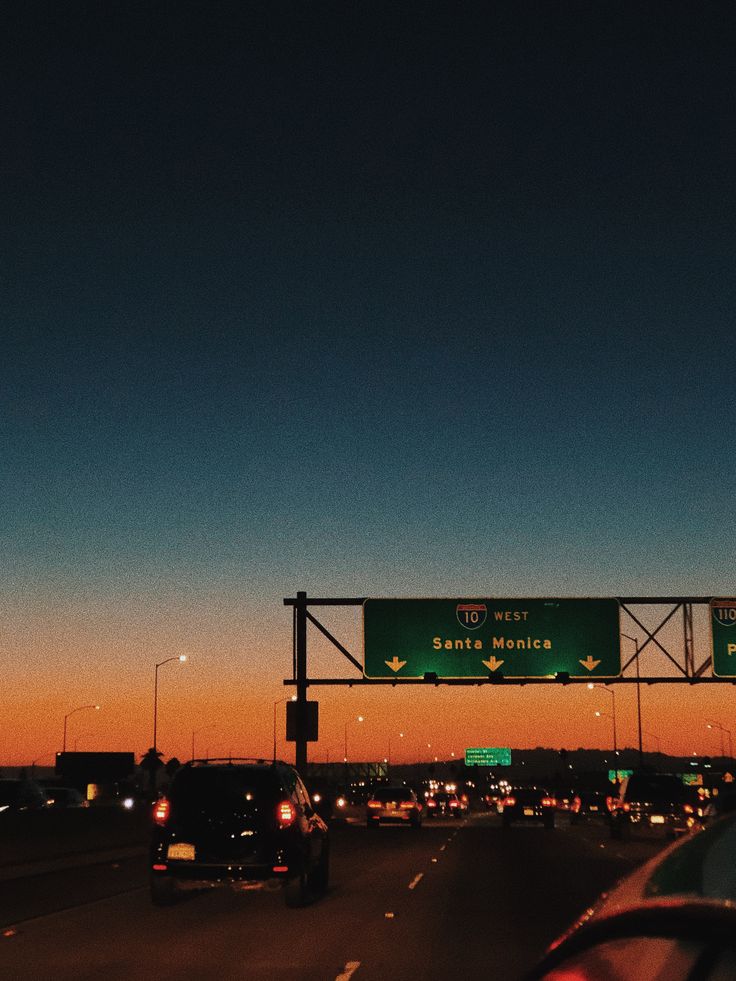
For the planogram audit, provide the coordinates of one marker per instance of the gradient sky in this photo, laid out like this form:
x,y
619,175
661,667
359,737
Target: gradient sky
x,y
418,299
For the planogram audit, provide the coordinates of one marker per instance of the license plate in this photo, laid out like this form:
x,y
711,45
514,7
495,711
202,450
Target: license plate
x,y
594,807
181,850
528,812
656,819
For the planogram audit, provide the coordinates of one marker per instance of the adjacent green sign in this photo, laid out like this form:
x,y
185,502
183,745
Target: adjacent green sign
x,y
478,638
616,776
488,756
723,629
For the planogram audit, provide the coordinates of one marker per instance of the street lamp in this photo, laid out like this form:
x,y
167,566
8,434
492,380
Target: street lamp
x,y
181,657
722,729
358,718
279,701
612,693
79,709
638,691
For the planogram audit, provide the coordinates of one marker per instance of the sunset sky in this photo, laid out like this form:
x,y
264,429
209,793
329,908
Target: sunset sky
x,y
362,299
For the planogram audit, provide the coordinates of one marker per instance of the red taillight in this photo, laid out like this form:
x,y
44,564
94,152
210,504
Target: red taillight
x,y
548,802
285,814
688,809
576,805
454,803
161,811
407,805
626,806
159,868
431,803
374,803
281,868
509,802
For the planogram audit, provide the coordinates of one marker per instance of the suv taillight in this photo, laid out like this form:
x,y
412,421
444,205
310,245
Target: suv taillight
x,y
161,811
509,802
285,813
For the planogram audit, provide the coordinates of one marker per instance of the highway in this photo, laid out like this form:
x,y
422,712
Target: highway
x,y
453,899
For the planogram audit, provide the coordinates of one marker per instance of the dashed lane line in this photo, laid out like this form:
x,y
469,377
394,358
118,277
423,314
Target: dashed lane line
x,y
416,880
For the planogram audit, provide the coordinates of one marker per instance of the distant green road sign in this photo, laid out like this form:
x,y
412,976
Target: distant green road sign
x,y
488,756
475,638
723,629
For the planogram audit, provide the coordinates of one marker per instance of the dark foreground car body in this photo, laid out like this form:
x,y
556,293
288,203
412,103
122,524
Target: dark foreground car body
x,y
525,804
674,919
245,824
651,804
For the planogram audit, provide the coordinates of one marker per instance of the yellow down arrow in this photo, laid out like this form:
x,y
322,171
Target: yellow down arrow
x,y
395,664
589,663
492,664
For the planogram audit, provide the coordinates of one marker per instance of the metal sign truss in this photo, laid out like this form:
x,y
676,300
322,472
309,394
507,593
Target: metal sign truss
x,y
683,661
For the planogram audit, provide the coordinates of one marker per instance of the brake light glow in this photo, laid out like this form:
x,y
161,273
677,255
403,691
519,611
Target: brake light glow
x,y
548,802
688,808
626,806
161,811
281,868
374,803
576,805
509,802
158,868
454,803
285,814
431,803
406,805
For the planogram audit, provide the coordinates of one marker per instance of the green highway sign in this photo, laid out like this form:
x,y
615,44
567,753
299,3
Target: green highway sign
x,y
616,776
478,638
488,756
723,632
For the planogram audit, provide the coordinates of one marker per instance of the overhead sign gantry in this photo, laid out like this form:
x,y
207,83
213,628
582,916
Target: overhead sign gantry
x,y
474,638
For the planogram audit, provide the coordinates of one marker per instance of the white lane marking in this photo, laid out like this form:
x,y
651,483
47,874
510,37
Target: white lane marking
x,y
416,880
350,968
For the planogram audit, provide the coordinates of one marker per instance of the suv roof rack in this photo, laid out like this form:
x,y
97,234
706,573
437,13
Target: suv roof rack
x,y
258,760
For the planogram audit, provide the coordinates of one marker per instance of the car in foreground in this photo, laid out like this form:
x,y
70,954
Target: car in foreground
x,y
393,805
445,805
528,804
246,824
673,919
651,804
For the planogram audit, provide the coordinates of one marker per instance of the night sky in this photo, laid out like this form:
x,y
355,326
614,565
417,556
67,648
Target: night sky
x,y
365,299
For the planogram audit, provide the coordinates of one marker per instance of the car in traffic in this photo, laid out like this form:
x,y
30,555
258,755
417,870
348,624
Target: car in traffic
x,y
589,805
242,823
651,804
63,797
523,805
672,919
393,805
445,805
19,794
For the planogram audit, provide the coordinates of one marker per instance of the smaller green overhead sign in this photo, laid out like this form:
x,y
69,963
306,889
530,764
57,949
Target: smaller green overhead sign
x,y
723,630
488,756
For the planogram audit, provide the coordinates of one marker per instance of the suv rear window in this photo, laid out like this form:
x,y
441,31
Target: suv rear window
x,y
392,793
223,785
655,790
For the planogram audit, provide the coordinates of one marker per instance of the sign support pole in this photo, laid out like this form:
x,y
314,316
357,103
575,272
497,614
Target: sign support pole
x,y
301,681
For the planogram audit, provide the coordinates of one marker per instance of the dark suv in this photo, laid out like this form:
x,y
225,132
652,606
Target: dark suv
x,y
239,823
529,804
656,803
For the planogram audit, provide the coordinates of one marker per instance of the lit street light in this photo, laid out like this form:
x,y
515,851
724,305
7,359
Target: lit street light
x,y
612,693
722,729
181,657
79,709
279,701
638,692
357,719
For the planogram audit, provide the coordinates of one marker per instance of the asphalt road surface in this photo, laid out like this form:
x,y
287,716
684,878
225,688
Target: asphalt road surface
x,y
454,899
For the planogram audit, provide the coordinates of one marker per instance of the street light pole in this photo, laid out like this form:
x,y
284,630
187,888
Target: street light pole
x,y
79,709
722,729
638,694
181,657
612,693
